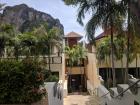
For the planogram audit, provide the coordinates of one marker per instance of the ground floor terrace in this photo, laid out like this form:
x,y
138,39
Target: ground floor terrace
x,y
107,75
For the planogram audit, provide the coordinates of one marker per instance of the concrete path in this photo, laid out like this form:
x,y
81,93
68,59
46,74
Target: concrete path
x,y
81,100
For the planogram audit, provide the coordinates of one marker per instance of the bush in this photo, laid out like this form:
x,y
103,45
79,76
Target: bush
x,y
52,78
20,82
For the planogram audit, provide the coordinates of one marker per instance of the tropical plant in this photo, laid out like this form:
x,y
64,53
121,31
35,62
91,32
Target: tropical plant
x,y
75,55
27,42
110,13
47,38
81,54
103,56
21,79
132,28
106,14
6,33
72,58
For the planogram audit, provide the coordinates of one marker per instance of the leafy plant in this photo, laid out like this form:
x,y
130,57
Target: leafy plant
x,y
52,78
21,81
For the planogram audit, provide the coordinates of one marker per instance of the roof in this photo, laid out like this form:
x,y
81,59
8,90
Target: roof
x,y
73,34
104,34
100,36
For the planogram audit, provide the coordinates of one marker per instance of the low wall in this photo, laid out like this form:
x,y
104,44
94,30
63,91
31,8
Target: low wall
x,y
54,97
65,90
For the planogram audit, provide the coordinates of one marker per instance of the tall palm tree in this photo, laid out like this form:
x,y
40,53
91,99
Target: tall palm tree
x,y
47,37
119,43
15,42
135,51
106,14
71,52
6,33
132,28
27,41
103,56
81,55
101,13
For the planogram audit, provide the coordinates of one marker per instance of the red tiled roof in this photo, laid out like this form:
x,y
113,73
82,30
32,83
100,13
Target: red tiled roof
x,y
73,34
104,34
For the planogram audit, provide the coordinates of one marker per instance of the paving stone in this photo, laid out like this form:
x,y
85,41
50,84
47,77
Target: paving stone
x,y
81,100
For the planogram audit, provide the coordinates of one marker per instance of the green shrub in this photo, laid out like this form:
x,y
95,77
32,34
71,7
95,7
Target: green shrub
x,y
52,78
20,82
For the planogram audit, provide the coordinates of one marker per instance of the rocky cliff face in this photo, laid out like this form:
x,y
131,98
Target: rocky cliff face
x,y
25,18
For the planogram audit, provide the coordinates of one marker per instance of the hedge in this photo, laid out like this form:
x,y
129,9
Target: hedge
x,y
21,82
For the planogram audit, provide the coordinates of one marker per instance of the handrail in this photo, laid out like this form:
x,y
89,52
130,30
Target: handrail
x,y
123,91
127,89
105,94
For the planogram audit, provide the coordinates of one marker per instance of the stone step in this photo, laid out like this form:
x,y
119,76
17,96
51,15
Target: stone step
x,y
135,88
132,81
114,91
123,87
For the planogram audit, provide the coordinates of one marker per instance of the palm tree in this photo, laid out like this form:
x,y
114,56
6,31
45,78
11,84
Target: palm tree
x,y
106,14
6,33
72,58
15,42
103,55
119,43
137,52
46,38
132,28
27,42
80,53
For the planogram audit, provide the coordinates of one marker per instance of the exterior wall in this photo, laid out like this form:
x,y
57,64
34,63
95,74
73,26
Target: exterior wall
x,y
55,49
76,70
118,63
62,71
92,73
55,64
55,67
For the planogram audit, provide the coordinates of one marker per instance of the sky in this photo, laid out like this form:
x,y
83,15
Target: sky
x,y
57,9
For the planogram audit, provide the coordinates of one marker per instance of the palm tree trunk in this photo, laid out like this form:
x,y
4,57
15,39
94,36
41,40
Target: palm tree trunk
x,y
112,53
122,69
49,58
81,73
16,52
107,73
1,46
70,78
128,44
136,65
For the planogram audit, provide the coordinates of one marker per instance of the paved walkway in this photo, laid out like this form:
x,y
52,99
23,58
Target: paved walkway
x,y
81,100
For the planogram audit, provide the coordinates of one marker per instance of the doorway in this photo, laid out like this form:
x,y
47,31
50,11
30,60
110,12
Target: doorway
x,y
76,83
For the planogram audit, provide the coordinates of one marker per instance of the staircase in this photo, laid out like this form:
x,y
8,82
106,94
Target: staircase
x,y
122,94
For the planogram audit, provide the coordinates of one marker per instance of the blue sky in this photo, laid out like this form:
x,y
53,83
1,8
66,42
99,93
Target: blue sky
x,y
56,8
